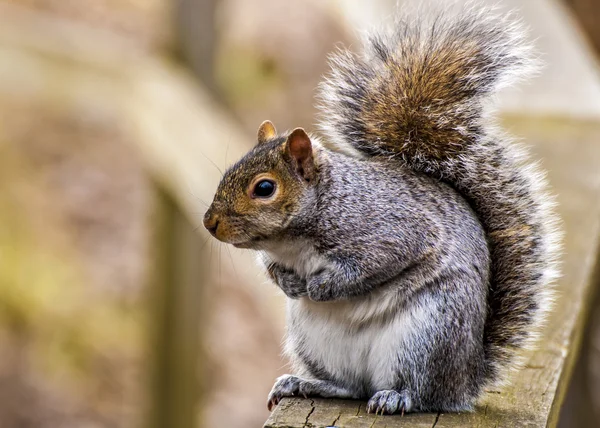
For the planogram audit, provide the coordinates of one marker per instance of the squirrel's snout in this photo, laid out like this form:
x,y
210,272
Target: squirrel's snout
x,y
211,223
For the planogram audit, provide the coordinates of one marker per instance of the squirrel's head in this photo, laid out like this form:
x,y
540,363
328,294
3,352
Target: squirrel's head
x,y
262,194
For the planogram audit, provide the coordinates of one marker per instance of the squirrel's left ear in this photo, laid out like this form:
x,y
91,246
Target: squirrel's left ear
x,y
266,131
299,149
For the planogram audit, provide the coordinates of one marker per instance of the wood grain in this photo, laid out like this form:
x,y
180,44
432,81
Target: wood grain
x,y
570,151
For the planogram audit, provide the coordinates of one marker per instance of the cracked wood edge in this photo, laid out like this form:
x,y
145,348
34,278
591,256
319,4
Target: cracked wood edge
x,y
318,412
570,151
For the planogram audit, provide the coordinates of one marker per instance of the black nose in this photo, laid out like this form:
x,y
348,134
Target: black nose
x,y
211,222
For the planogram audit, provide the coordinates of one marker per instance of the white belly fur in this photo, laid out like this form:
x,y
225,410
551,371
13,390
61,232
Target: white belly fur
x,y
369,355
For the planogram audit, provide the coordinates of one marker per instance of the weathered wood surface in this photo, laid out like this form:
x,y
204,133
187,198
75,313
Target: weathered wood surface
x,y
571,153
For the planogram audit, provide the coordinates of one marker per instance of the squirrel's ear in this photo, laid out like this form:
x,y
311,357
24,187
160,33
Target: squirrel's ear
x,y
299,149
266,131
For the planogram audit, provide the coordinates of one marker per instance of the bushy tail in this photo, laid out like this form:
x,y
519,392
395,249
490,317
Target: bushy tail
x,y
419,95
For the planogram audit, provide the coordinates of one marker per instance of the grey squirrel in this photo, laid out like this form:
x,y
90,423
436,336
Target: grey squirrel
x,y
416,242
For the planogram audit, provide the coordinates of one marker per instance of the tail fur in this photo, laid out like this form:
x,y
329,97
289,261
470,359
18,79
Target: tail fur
x,y
420,94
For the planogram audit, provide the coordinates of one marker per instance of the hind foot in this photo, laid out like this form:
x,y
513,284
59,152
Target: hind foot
x,y
389,402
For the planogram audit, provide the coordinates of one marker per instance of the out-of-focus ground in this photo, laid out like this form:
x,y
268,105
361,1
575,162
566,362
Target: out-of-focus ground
x,y
76,203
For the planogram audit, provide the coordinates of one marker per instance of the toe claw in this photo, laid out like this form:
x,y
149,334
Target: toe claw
x,y
285,386
389,402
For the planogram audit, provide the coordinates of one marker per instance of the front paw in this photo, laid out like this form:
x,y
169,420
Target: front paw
x,y
285,386
321,287
292,285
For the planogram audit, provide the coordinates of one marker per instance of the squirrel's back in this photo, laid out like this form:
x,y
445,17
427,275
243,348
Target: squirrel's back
x,y
420,95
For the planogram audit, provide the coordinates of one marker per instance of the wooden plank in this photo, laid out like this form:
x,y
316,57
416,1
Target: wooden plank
x,y
298,412
570,151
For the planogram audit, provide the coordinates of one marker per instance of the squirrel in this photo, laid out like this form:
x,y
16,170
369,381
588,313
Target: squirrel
x,y
416,242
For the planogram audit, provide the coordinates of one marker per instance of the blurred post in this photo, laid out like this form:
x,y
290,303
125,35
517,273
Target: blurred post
x,y
179,275
587,13
196,37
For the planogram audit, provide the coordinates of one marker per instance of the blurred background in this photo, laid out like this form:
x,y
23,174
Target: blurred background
x,y
116,120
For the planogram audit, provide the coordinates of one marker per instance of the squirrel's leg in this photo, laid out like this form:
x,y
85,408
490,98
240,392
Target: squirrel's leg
x,y
294,386
441,363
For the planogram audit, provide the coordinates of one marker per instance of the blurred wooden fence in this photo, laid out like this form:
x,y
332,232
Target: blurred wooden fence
x,y
178,130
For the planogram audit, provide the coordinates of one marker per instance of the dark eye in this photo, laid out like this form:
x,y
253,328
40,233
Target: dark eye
x,y
264,189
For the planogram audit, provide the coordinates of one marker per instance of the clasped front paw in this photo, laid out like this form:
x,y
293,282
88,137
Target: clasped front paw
x,y
321,287
290,283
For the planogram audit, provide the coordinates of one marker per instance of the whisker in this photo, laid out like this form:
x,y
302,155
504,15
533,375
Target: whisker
x,y
211,161
232,264
211,254
219,259
227,149
199,199
204,243
287,365
196,197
